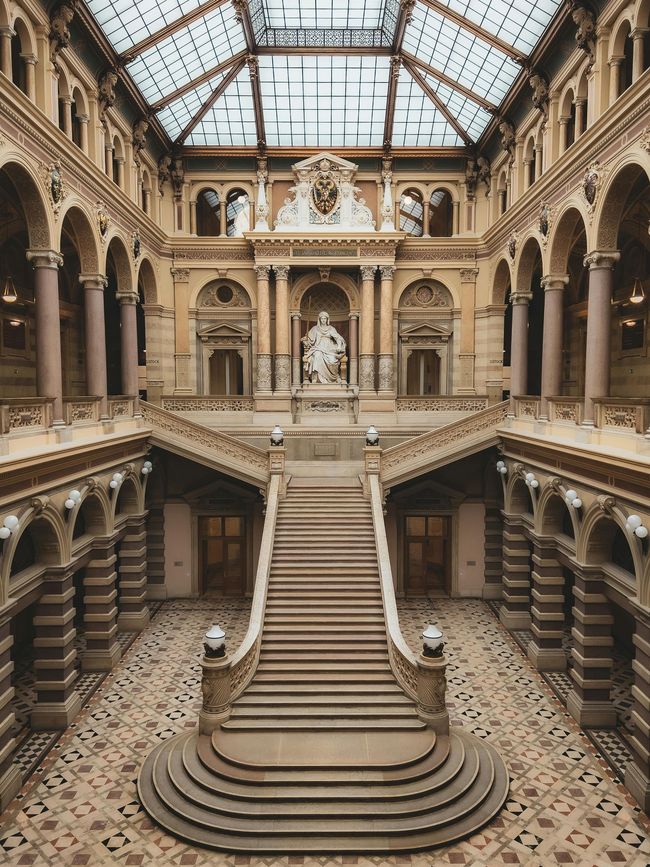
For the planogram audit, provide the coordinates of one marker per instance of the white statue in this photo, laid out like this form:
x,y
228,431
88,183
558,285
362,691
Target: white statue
x,y
242,217
324,349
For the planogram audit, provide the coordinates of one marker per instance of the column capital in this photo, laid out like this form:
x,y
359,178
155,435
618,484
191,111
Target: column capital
x,y
520,297
468,275
295,316
601,259
354,315
180,275
387,271
93,281
128,297
368,272
44,259
262,272
639,32
281,271
7,30
552,282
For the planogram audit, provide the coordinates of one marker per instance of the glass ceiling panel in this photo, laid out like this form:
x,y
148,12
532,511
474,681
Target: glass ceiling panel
x,y
177,114
471,116
231,121
324,14
418,123
520,23
126,22
188,53
460,55
324,101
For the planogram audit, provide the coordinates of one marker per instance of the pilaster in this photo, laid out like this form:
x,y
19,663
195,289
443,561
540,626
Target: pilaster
x,y
100,612
515,611
132,565
545,650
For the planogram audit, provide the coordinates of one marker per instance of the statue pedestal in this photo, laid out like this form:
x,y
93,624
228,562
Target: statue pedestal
x,y
333,404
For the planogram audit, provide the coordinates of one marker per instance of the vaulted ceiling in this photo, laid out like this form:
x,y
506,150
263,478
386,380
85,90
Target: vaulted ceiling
x,y
324,73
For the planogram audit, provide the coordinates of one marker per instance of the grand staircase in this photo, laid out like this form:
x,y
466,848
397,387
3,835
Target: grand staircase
x,y
323,752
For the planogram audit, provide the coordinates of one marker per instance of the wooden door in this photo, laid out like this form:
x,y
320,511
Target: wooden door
x,y
428,555
222,555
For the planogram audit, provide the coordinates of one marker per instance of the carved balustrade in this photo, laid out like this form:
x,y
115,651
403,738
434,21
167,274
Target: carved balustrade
x,y
80,410
208,403
565,410
441,403
25,414
120,405
527,406
630,415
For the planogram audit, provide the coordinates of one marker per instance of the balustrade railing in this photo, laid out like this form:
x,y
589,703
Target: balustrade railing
x,y
565,410
623,414
441,403
527,406
25,414
208,403
80,410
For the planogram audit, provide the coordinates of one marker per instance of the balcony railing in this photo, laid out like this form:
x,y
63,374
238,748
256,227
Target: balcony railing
x,y
26,414
208,403
625,415
442,403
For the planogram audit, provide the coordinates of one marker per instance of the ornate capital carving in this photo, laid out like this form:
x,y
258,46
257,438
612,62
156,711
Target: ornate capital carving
x,y
93,281
180,275
521,297
281,271
601,259
552,282
468,275
368,272
44,258
387,271
127,297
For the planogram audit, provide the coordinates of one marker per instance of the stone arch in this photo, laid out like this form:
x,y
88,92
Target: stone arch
x,y
146,278
49,537
36,209
25,31
5,17
448,187
129,499
525,266
566,100
621,31
502,282
642,14
78,88
552,511
306,281
85,234
563,234
613,198
594,544
208,186
206,295
423,189
518,497
94,511
529,150
440,296
118,248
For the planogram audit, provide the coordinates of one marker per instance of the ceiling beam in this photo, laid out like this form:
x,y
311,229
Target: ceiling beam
x,y
242,13
403,18
435,99
395,64
195,82
385,51
450,82
149,41
475,29
207,105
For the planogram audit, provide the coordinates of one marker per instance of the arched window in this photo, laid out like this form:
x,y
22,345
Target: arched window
x,y
627,48
237,213
78,113
18,65
411,212
529,163
502,193
441,214
208,222
118,163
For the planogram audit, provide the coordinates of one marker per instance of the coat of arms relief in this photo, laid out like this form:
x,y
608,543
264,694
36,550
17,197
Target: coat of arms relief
x,y
324,194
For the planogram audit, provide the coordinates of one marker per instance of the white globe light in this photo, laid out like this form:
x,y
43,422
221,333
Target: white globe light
x,y
503,470
534,483
75,495
641,532
629,527
571,495
112,484
576,503
148,464
11,523
145,471
633,520
530,477
500,464
69,503
5,532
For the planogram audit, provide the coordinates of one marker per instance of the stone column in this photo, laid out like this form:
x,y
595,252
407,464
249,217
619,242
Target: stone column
x,y
515,611
552,339
367,355
503,201
156,552
614,78
95,338
67,116
132,568
637,773
599,311
120,172
455,211
425,218
100,612
57,702
493,570
282,356
353,349
223,220
527,174
539,163
638,40
193,217
49,382
83,131
296,355
6,35
467,329
591,672
581,116
545,650
10,775
30,62
386,357
519,343
181,329
564,133
129,342
263,329
108,159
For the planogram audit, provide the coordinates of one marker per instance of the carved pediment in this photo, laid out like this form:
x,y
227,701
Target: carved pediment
x,y
314,161
424,330
224,331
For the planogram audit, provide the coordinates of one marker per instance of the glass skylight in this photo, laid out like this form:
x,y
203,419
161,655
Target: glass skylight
x,y
324,101
231,120
177,114
188,53
126,22
470,115
418,122
460,55
520,23
324,14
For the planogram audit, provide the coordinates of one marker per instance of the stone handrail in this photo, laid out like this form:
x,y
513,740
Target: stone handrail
x,y
208,403
402,659
527,405
413,456
25,413
244,661
630,414
77,410
198,442
120,405
565,409
441,403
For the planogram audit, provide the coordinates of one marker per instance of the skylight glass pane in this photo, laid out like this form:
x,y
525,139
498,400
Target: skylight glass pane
x,y
187,54
460,55
471,116
231,121
324,14
126,22
177,114
324,101
417,122
520,23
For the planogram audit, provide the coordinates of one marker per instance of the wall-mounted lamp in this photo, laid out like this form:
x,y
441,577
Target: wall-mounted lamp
x,y
634,524
10,525
372,436
572,499
531,481
502,468
73,498
147,467
277,436
116,481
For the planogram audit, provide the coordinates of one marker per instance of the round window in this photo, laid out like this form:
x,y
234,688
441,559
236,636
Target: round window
x,y
225,294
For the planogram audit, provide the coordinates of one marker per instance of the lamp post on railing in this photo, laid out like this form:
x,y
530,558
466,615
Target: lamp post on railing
x,y
215,681
432,681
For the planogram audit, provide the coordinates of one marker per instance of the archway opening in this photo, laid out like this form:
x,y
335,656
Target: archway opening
x,y
333,300
237,213
441,214
208,222
411,212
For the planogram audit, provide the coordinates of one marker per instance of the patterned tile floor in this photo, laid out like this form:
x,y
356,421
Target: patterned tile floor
x,y
80,807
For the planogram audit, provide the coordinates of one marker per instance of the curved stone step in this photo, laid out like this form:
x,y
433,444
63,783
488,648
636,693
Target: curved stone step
x,y
337,724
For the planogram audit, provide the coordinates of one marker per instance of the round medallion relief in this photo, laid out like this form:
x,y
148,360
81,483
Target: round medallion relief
x,y
225,294
424,294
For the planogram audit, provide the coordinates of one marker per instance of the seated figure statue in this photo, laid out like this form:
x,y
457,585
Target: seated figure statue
x,y
324,349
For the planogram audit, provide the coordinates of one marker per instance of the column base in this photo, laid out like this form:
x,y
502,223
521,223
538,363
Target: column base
x,y
638,785
492,591
101,660
591,714
10,784
514,619
547,658
55,714
208,722
133,621
156,592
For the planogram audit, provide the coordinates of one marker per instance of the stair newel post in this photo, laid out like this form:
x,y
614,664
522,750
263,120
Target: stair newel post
x,y
215,681
371,459
432,681
277,459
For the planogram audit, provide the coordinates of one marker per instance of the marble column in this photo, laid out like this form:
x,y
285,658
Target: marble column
x,y
57,701
515,611
581,116
519,343
296,355
353,349
552,339
614,78
30,62
100,611
367,354
6,35
129,342
637,773
182,355
467,329
545,651
83,132
132,570
589,701
10,774
386,356
455,212
120,172
49,381
108,159
263,329
282,364
563,123
223,221
66,102
425,218
539,163
193,217
95,338
638,47
599,311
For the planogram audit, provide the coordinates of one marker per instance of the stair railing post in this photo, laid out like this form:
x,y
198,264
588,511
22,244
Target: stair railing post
x,y
215,687
372,465
277,463
432,686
